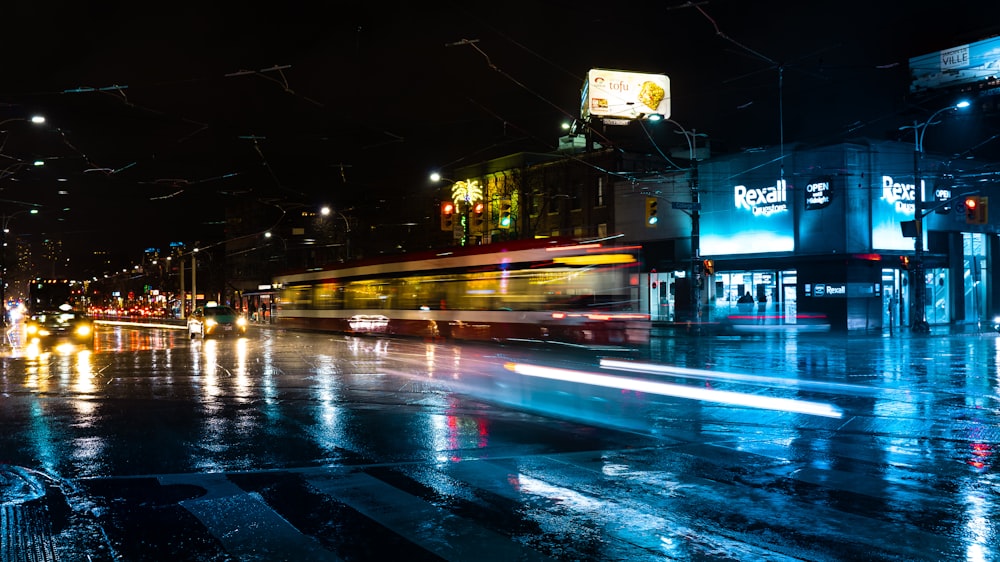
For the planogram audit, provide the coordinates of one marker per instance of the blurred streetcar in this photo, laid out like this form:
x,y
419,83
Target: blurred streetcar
x,y
552,289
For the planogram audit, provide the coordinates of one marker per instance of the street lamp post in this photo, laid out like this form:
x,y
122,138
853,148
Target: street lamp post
x,y
325,211
696,267
919,323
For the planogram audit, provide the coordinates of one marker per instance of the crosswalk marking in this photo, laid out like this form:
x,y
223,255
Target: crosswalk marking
x,y
245,524
430,527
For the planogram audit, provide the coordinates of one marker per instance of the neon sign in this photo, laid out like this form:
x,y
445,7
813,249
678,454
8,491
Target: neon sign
x,y
764,201
818,194
900,195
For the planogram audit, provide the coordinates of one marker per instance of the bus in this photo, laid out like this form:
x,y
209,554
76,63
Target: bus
x,y
552,289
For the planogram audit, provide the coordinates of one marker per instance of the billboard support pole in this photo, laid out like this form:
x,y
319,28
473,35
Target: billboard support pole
x,y
696,264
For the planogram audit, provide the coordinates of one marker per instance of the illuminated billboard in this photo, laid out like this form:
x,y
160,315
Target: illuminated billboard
x,y
750,217
629,95
892,204
965,64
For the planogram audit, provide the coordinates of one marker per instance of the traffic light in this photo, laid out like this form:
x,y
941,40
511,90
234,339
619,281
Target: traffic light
x,y
971,209
708,266
447,215
478,216
504,219
904,262
976,209
651,218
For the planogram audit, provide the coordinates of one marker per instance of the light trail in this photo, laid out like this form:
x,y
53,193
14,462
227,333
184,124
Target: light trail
x,y
687,372
679,391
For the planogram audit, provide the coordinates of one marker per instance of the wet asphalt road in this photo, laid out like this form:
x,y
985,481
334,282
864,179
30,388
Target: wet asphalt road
x,y
301,446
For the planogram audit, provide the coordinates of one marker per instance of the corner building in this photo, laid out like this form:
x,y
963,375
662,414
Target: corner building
x,y
815,234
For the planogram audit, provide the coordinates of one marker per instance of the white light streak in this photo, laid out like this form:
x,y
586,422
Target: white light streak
x,y
679,391
651,368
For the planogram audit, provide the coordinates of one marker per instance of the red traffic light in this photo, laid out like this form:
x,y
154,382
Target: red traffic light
x,y
976,209
447,215
478,208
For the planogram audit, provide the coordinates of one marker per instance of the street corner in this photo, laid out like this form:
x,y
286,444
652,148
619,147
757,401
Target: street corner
x,y
19,485
43,519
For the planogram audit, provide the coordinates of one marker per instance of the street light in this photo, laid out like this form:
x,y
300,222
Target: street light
x,y
325,211
3,261
10,170
36,119
696,261
919,323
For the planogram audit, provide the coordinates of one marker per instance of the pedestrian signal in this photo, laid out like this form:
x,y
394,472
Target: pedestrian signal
x,y
651,218
708,266
447,215
504,218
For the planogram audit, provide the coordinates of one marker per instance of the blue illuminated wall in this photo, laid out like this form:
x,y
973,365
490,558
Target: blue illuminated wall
x,y
747,208
842,198
893,195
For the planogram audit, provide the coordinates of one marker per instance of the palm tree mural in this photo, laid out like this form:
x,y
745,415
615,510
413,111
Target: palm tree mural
x,y
468,191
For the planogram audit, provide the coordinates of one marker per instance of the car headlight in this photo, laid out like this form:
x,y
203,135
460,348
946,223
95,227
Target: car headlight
x,y
83,330
31,328
241,322
210,323
996,320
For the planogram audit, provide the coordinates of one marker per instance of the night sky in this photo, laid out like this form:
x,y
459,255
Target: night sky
x,y
158,117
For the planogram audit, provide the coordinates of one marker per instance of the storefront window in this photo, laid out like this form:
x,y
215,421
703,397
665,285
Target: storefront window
x,y
974,257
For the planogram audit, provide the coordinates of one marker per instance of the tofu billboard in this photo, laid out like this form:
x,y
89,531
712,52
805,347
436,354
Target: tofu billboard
x,y
624,95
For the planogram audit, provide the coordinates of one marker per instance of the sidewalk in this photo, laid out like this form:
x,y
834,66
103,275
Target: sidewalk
x,y
683,329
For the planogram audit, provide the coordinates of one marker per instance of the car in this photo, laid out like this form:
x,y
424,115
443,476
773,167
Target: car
x,y
215,320
48,328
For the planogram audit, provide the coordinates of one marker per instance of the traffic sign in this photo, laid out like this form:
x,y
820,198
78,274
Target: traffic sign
x,y
689,205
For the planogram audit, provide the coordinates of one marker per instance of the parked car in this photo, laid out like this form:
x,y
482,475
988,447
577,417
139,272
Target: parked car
x,y
208,321
48,328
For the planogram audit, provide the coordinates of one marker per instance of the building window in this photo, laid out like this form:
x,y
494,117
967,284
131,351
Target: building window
x,y
554,202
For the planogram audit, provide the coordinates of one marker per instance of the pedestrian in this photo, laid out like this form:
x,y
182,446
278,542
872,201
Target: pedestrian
x,y
745,303
762,308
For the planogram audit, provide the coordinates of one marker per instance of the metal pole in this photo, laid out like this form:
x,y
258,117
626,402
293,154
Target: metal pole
x,y
696,273
194,283
919,285
183,311
696,264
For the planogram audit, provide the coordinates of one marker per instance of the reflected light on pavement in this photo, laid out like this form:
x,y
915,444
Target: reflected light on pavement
x,y
679,391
